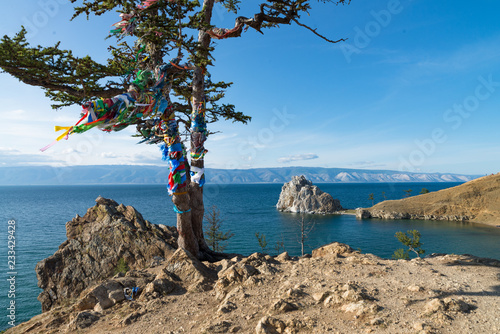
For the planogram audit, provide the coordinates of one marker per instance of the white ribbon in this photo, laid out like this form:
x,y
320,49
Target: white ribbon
x,y
198,174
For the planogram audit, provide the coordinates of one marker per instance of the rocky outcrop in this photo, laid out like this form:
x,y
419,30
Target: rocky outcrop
x,y
108,238
301,196
383,214
477,201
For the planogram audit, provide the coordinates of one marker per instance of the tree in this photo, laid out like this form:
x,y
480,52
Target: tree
x,y
216,239
410,239
370,197
424,191
261,239
280,244
383,194
408,192
401,254
171,54
305,228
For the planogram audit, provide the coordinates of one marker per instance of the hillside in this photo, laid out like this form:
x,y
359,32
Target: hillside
x,y
132,174
476,201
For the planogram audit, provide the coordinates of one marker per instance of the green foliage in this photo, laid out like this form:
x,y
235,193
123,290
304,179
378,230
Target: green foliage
x,y
401,254
66,79
371,198
408,192
161,31
410,239
121,266
261,238
424,191
280,244
383,195
215,238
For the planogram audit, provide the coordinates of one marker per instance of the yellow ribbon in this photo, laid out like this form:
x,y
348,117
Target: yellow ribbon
x,y
59,128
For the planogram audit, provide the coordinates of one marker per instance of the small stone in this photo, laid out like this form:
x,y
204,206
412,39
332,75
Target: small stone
x,y
218,328
376,321
418,326
282,306
319,296
357,308
454,305
131,318
415,288
227,307
433,306
270,325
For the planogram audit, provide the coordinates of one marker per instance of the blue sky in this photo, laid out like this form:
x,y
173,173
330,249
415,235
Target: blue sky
x,y
415,88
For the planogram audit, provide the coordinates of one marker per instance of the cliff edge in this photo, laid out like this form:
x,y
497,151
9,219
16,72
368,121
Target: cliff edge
x,y
475,201
108,236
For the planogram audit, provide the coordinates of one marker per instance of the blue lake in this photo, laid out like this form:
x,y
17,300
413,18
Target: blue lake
x,y
40,213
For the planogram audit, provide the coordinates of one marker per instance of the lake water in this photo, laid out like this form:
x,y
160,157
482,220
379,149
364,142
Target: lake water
x,y
40,213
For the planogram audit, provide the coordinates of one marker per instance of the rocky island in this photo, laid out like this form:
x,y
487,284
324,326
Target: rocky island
x,y
475,201
301,196
118,273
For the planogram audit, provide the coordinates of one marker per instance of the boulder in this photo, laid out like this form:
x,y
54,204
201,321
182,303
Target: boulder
x,y
110,237
334,249
194,274
301,196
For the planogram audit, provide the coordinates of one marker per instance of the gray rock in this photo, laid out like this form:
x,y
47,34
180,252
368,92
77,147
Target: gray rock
x,y
270,325
301,196
282,306
131,318
84,319
383,214
106,235
217,328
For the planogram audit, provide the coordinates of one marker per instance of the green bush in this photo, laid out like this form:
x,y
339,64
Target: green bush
x,y
410,239
121,266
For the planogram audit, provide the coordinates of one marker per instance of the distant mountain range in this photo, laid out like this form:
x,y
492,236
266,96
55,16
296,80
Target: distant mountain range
x,y
133,174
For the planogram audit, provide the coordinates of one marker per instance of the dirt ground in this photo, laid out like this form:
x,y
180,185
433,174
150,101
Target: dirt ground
x,y
337,290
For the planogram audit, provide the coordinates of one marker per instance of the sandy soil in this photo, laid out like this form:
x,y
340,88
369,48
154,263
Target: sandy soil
x,y
336,291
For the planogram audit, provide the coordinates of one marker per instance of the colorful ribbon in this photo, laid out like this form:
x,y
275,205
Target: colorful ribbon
x,y
197,175
176,209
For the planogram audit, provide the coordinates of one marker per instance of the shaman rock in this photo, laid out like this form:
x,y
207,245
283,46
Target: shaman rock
x,y
301,196
109,237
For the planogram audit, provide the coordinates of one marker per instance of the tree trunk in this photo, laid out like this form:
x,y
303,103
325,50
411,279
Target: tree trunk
x,y
198,100
190,225
187,239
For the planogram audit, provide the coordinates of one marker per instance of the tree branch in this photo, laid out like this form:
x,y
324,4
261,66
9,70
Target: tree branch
x,y
260,18
314,31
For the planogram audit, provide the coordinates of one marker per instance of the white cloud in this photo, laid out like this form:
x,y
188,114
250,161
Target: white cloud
x,y
298,157
108,155
219,137
14,115
366,164
13,157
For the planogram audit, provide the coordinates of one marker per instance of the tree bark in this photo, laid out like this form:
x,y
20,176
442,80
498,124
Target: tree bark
x,y
187,239
198,99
